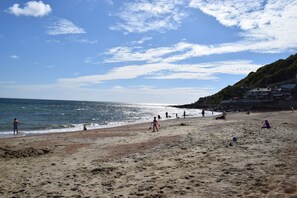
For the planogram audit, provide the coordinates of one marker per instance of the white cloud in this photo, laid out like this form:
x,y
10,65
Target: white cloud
x,y
267,27
203,71
136,54
64,26
7,82
50,66
84,41
31,8
142,40
53,41
269,22
139,94
144,16
230,12
185,51
118,87
14,56
109,2
71,39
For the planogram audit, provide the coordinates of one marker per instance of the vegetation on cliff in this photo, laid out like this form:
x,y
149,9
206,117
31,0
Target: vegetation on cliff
x,y
279,72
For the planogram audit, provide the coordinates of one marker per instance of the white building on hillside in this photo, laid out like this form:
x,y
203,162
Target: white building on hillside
x,y
260,94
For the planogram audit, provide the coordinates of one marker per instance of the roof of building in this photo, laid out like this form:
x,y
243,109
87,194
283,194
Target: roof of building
x,y
260,90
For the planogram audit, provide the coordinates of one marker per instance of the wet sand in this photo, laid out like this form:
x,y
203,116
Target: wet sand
x,y
193,157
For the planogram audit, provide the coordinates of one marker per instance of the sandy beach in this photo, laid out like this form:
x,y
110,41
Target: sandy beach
x,y
193,157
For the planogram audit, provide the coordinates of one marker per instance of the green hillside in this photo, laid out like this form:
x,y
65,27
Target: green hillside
x,y
279,72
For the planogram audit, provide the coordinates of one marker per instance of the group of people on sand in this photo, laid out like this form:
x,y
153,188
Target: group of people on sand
x,y
155,124
265,124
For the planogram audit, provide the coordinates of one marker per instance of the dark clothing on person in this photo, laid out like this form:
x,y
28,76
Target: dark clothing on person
x,y
155,124
266,125
15,124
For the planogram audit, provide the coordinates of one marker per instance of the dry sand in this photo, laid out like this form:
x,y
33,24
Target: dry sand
x,y
192,157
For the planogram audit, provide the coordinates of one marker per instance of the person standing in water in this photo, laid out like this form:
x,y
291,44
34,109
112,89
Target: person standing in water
x,y
15,124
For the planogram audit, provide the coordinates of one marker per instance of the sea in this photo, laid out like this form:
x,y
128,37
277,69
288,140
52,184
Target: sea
x,y
52,116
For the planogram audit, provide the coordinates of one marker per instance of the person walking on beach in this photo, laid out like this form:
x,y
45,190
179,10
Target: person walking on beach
x,y
155,124
203,112
184,114
15,124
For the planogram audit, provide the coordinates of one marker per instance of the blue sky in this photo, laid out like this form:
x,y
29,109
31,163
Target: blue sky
x,y
144,51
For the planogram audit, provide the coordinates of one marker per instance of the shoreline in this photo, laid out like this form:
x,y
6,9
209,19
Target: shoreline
x,y
192,157
76,129
42,116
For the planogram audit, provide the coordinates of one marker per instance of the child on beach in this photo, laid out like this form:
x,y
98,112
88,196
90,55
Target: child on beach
x,y
266,125
155,124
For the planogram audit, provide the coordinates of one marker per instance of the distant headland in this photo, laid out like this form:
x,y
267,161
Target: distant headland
x,y
271,87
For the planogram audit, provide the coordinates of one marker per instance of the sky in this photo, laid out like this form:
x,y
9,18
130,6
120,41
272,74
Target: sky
x,y
138,51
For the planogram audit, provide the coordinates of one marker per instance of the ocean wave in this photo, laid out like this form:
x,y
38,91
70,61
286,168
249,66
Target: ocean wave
x,y
42,116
